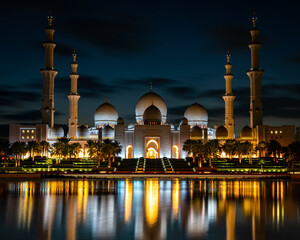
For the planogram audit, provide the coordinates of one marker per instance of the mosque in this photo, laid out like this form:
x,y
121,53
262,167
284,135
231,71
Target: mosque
x,y
151,136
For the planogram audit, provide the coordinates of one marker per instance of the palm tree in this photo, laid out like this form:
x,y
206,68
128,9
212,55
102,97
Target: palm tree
x,y
74,149
249,150
199,151
65,146
57,149
239,150
91,148
4,149
45,147
99,154
274,148
261,148
190,146
18,150
107,149
32,147
292,152
212,149
229,147
116,149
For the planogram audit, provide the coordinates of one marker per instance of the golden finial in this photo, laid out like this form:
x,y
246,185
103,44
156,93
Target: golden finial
x,y
151,87
105,99
50,18
195,99
74,56
228,56
254,19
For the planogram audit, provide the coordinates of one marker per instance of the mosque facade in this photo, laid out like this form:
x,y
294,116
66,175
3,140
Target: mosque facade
x,y
151,136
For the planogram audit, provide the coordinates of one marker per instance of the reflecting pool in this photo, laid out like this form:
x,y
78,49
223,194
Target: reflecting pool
x,y
150,209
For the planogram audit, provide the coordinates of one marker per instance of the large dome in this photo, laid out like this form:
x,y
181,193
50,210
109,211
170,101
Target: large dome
x,y
106,114
196,114
148,99
152,115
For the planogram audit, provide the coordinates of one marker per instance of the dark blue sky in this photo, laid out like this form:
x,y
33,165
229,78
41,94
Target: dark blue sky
x,y
122,46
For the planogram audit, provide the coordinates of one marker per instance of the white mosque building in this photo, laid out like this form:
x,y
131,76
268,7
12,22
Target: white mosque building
x,y
151,136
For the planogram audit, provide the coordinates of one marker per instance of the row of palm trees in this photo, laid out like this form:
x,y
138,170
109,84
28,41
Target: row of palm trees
x,y
103,150
62,149
213,149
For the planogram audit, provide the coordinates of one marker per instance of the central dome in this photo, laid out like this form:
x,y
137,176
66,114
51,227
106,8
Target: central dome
x,y
196,114
148,99
152,115
106,114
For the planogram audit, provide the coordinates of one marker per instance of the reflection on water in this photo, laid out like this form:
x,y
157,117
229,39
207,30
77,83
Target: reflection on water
x,y
150,209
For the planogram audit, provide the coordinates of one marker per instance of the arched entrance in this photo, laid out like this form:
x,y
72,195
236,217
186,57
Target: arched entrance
x,y
129,151
175,151
152,148
152,153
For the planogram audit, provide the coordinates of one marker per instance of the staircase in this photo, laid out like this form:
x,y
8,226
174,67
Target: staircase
x,y
167,165
181,165
140,166
154,166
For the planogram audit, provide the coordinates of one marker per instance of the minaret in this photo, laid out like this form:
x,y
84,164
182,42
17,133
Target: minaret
x,y
73,99
255,75
228,99
48,73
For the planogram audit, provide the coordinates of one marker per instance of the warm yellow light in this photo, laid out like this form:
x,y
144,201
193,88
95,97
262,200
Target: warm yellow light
x,y
151,201
128,200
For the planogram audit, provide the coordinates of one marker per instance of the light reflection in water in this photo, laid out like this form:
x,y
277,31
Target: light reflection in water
x,y
149,209
151,201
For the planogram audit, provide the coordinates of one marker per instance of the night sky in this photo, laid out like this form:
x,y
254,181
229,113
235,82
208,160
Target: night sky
x,y
122,46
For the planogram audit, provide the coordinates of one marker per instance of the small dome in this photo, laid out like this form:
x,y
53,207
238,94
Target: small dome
x,y
196,132
57,132
120,121
83,132
196,114
152,115
246,132
221,132
148,99
184,121
106,114
108,132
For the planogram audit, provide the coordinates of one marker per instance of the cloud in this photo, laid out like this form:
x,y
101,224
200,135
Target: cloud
x,y
24,116
229,35
13,97
117,34
88,86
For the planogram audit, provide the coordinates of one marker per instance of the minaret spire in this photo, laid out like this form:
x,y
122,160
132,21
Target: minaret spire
x,y
48,73
73,99
229,98
151,87
255,74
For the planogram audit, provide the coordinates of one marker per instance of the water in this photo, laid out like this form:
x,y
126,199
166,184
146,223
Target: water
x,y
150,209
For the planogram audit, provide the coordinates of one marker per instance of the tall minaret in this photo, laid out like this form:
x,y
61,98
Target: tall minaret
x,y
228,99
255,75
48,73
73,99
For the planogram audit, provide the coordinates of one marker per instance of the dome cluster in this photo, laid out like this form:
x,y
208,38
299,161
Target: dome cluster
x,y
147,100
